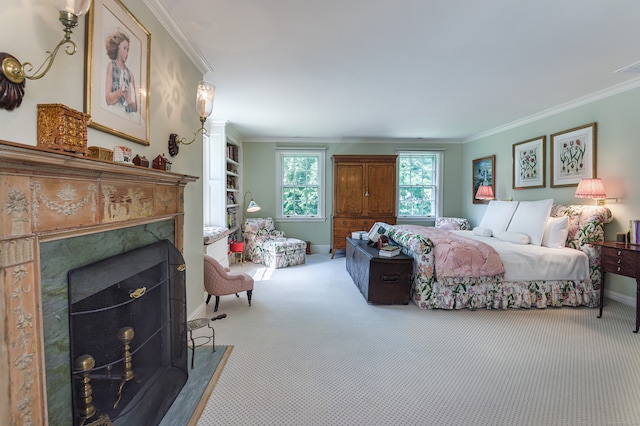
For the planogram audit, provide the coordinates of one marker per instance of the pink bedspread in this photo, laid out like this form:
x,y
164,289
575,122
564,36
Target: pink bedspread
x,y
458,258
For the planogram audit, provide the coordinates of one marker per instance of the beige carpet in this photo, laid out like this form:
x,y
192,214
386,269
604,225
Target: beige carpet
x,y
311,351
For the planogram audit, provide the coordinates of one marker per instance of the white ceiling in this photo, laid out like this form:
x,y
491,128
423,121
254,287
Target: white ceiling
x,y
428,69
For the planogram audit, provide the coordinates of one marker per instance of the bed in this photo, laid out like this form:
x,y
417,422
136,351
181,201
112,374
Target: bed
x,y
567,284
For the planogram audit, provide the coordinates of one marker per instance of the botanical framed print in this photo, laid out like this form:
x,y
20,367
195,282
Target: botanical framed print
x,y
483,172
573,155
117,72
528,163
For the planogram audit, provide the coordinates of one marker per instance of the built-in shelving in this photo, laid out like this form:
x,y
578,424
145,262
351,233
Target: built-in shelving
x,y
223,179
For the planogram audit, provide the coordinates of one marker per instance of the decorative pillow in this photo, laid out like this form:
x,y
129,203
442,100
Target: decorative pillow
x,y
531,218
449,226
498,215
482,232
555,232
514,237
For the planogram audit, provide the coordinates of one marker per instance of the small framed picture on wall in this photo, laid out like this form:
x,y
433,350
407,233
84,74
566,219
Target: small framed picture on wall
x,y
528,163
573,155
483,172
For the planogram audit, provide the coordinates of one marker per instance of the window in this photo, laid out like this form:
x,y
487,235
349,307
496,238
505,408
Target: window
x,y
300,184
419,181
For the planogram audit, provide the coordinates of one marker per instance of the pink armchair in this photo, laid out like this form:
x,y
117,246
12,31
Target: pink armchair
x,y
219,281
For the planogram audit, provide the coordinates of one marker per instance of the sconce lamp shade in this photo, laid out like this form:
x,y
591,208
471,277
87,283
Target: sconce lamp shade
x,y
77,7
590,188
13,72
485,192
204,98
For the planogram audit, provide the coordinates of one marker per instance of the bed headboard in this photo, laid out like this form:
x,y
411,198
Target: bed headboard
x,y
586,227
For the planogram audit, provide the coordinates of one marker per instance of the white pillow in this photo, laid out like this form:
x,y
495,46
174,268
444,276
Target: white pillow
x,y
498,215
482,232
531,218
555,232
514,237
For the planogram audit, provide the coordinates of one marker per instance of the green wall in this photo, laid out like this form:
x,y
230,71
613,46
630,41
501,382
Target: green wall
x,y
33,28
259,165
618,134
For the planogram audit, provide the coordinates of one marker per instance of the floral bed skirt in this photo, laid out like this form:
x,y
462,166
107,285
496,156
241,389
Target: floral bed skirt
x,y
505,295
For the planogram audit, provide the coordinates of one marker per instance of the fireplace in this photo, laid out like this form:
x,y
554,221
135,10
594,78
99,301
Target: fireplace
x,y
128,349
47,201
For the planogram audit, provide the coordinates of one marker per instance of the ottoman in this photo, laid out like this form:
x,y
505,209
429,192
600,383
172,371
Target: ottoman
x,y
283,252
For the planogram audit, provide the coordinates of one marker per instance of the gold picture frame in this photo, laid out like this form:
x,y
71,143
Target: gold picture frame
x,y
528,158
573,155
119,106
483,169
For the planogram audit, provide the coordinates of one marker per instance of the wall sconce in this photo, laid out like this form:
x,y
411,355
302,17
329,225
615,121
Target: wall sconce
x,y
252,207
13,73
485,192
204,105
593,188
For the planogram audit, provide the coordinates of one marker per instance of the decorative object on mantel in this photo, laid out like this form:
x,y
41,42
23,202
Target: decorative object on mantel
x,y
13,73
140,161
204,105
62,128
161,163
122,154
100,153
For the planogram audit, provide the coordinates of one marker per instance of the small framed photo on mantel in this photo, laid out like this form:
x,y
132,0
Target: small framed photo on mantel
x,y
528,163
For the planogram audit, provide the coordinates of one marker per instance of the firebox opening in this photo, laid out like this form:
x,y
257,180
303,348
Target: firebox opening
x,y
127,317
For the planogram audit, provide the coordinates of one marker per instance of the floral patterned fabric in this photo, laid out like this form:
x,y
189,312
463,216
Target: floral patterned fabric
x,y
266,245
457,223
586,226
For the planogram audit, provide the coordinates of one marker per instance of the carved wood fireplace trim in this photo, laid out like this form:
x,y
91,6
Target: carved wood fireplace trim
x,y
47,195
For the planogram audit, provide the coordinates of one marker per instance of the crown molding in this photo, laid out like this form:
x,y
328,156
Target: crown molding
x,y
593,97
185,43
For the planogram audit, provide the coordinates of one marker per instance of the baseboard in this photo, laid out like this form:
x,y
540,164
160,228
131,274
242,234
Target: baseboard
x,y
319,248
618,297
198,312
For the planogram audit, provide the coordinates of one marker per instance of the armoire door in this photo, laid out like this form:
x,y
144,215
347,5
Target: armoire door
x,y
380,189
348,185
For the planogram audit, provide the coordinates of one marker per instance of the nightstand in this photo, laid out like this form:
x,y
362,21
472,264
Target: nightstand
x,y
622,259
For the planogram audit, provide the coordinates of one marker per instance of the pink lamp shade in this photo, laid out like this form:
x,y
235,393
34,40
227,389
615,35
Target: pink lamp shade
x,y
485,192
590,188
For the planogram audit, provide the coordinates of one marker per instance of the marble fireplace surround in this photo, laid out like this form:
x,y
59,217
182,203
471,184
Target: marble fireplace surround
x,y
46,196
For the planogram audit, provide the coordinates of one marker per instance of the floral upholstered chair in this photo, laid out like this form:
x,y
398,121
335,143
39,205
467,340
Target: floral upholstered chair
x,y
266,245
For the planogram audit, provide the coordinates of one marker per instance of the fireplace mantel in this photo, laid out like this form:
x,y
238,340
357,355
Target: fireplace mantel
x,y
47,195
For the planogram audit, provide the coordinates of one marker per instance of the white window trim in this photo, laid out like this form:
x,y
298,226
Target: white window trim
x,y
439,173
321,152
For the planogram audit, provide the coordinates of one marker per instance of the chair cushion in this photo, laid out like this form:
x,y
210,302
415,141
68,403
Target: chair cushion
x,y
281,245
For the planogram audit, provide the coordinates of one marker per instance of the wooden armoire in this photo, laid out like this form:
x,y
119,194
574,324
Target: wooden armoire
x,y
364,192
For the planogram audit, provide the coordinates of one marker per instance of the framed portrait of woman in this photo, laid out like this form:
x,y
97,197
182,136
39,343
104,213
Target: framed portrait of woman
x,y
117,72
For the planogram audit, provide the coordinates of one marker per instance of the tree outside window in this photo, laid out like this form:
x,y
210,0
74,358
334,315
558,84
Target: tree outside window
x,y
418,184
301,184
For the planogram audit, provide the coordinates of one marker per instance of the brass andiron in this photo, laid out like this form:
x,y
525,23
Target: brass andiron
x,y
85,363
125,335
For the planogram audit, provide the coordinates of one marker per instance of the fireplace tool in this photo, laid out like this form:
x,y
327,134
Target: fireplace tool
x,y
125,335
